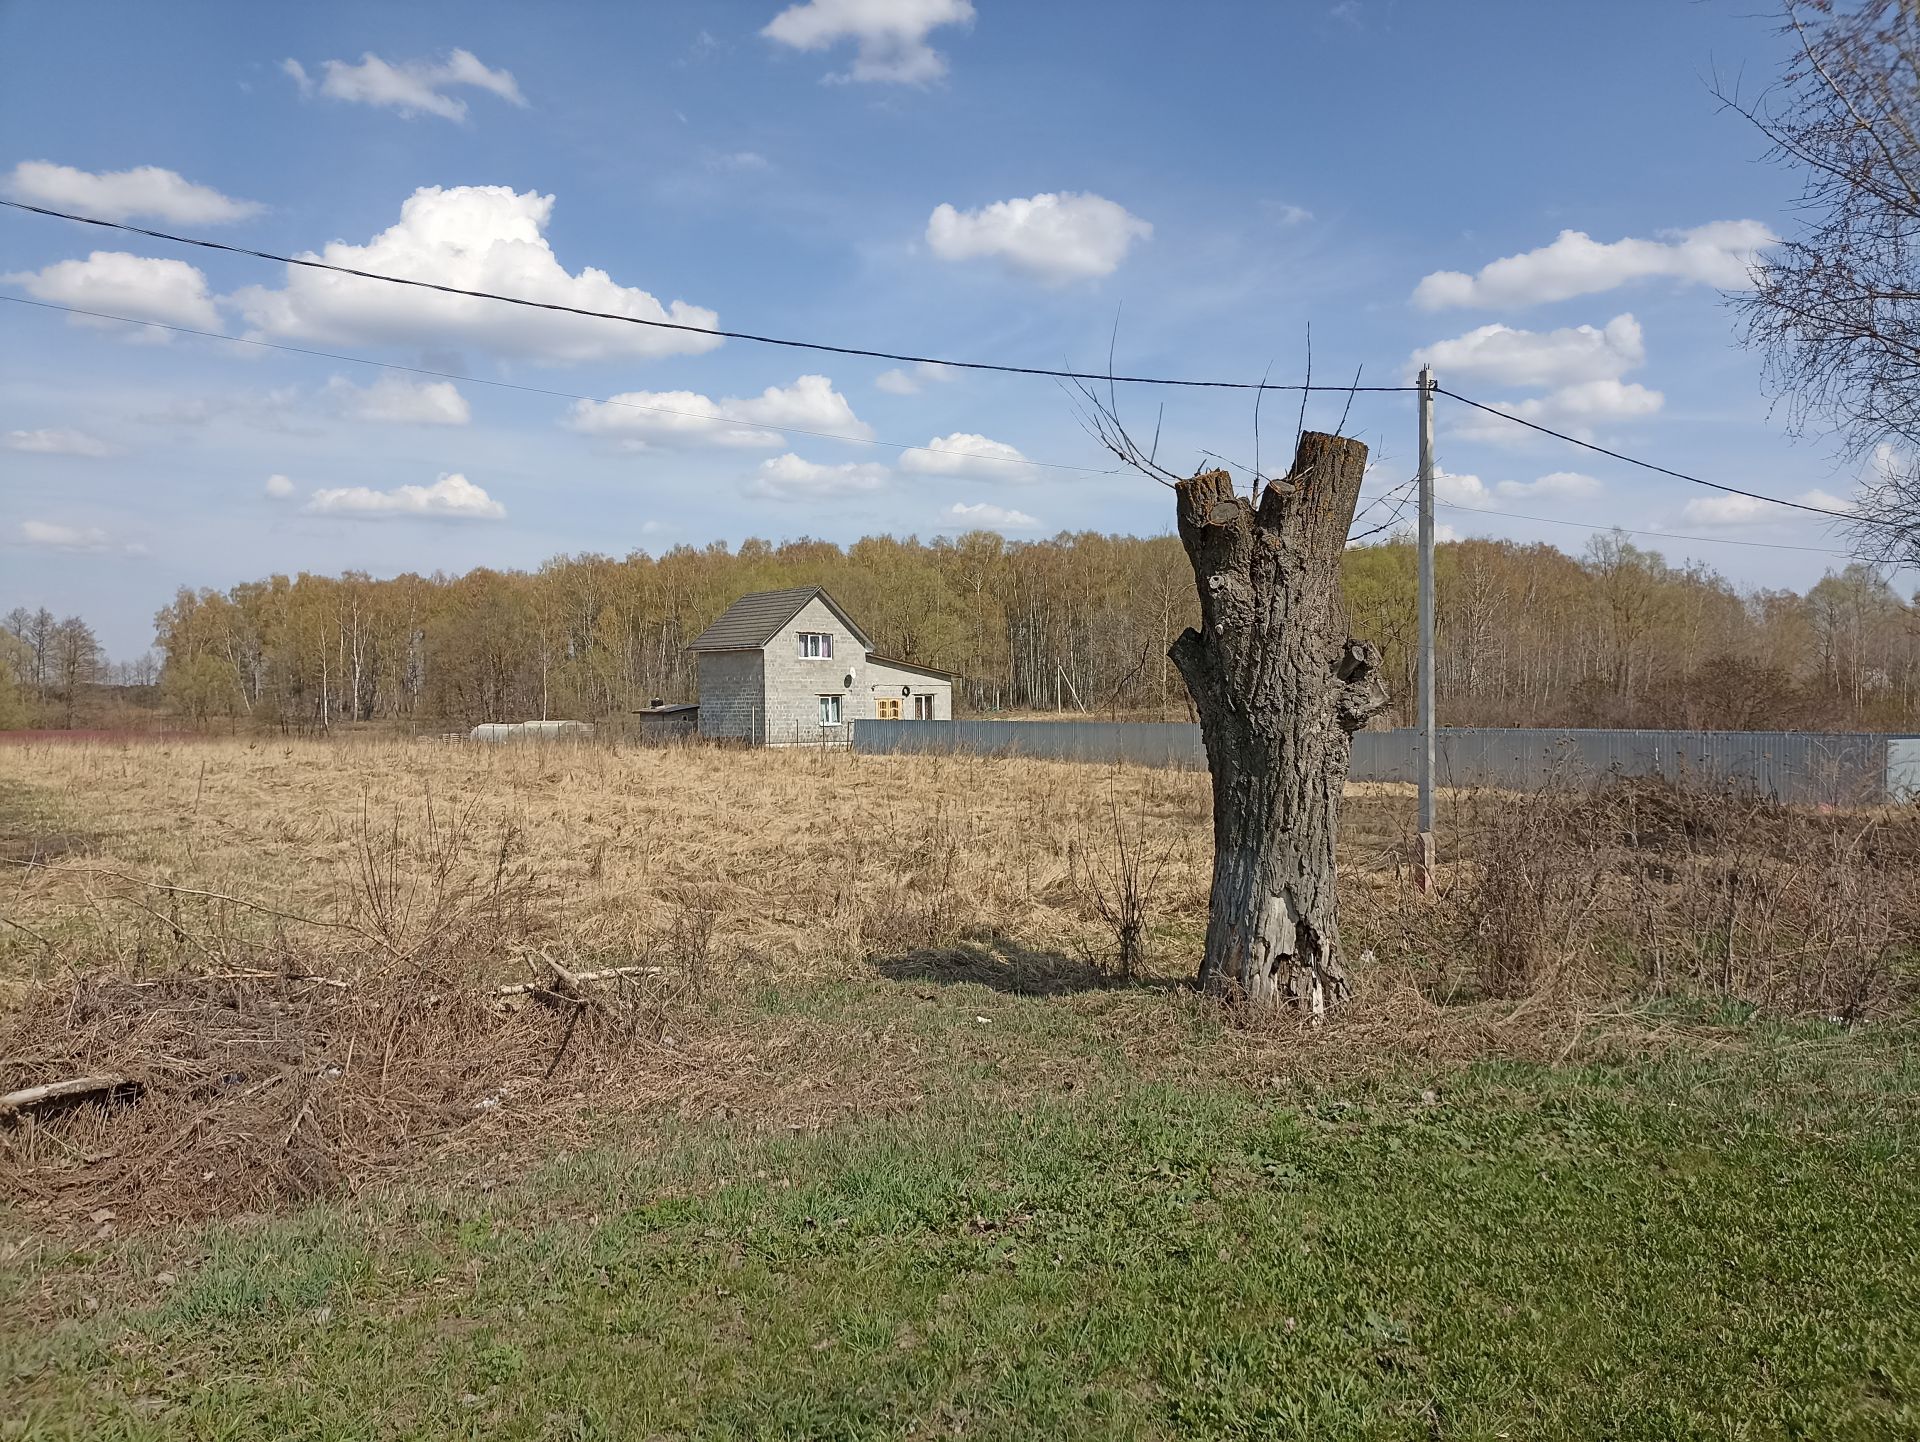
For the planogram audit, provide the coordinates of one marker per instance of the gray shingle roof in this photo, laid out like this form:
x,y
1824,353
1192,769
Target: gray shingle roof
x,y
755,619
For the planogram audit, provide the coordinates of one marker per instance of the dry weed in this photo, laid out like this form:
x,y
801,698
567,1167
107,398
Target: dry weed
x,y
292,951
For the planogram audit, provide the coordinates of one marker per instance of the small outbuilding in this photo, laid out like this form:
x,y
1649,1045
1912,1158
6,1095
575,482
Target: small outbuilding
x,y
663,722
783,668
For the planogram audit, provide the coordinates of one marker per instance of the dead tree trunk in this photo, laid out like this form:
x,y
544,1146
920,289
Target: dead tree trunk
x,y
1280,690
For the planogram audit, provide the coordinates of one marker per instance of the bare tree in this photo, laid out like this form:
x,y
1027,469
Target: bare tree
x,y
75,655
1280,689
1836,309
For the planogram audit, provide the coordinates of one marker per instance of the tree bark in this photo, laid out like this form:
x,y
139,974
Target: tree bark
x,y
1280,690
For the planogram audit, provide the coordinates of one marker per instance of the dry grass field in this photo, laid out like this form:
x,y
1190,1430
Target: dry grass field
x,y
886,995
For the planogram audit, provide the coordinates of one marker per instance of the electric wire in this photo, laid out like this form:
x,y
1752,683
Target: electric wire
x,y
682,326
1629,531
1650,466
544,391
832,349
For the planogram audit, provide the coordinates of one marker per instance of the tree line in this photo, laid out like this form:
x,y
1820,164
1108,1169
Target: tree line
x,y
48,666
1527,635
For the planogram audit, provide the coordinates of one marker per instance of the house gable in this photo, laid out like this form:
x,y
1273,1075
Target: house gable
x,y
756,619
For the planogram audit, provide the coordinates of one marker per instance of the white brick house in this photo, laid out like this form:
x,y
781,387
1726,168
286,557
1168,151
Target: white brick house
x,y
783,668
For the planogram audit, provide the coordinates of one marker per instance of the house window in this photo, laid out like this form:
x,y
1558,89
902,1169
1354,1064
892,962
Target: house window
x,y
829,710
886,708
816,646
922,708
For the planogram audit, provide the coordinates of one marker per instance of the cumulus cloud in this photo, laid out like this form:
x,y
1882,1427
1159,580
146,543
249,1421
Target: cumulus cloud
x,y
890,36
1506,356
1051,237
1472,493
53,442
54,536
412,87
789,478
1748,511
642,418
899,382
400,401
477,237
984,516
1562,485
1721,254
136,286
279,487
965,454
1458,490
1575,409
146,191
453,497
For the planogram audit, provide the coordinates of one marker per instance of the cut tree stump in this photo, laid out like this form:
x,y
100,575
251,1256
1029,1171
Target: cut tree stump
x,y
1280,688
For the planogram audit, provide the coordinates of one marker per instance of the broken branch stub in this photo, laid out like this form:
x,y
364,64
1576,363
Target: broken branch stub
x,y
1280,689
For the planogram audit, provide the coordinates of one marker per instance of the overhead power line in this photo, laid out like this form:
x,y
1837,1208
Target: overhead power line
x,y
681,325
1628,531
718,420
901,357
1650,466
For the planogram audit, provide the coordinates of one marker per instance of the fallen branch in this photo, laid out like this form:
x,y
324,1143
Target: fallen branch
x,y
564,981
331,981
74,1089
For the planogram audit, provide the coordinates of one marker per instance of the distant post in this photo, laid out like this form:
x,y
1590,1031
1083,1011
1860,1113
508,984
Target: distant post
x,y
1423,861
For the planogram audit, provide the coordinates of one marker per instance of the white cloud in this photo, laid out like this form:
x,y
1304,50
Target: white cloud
x,y
1472,493
890,35
738,162
1720,254
965,454
1507,356
1458,490
477,237
1562,485
412,86
1575,409
58,443
452,497
279,487
123,194
57,537
789,478
1055,238
1601,400
898,382
136,286
401,401
986,517
1748,511
688,418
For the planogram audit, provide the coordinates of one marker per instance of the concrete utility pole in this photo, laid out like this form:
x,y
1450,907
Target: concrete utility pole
x,y
1424,850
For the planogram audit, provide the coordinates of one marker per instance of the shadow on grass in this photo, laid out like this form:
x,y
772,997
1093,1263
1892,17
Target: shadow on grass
x,y
1005,965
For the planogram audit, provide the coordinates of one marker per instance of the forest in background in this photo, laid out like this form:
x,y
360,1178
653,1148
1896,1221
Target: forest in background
x,y
1527,636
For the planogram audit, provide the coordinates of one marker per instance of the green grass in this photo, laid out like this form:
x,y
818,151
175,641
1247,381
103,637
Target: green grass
x,y
1718,1244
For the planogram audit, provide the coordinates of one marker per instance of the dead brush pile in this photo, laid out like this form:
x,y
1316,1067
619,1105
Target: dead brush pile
x,y
1642,887
243,1056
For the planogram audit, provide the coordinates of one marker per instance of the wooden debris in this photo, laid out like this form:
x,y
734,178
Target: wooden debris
x,y
567,983
72,1090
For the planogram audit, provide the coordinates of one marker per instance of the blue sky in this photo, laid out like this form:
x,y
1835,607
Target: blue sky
x,y
983,180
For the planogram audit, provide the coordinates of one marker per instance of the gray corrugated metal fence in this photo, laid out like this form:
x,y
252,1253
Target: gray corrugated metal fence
x,y
1786,765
